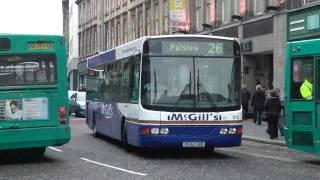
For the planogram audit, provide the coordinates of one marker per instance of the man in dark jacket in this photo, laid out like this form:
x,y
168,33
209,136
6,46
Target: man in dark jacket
x,y
273,109
258,100
245,97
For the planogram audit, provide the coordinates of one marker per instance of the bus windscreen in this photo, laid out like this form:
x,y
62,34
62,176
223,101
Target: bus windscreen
x,y
27,70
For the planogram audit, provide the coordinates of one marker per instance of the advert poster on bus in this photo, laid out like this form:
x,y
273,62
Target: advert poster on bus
x,y
24,109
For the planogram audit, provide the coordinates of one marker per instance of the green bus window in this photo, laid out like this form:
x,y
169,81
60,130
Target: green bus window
x,y
27,69
302,79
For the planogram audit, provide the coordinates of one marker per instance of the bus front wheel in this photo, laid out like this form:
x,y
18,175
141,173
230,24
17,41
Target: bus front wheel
x,y
94,128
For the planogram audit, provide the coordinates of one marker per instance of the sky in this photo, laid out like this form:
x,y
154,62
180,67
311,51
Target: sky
x,y
31,17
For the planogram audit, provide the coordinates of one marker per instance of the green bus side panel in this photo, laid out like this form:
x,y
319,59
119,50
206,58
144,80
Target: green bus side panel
x,y
302,119
34,137
304,23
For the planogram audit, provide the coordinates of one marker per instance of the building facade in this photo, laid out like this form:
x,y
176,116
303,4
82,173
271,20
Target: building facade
x,y
259,24
73,53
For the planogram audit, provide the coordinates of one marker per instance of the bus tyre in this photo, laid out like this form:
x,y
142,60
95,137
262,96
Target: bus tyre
x,y
36,153
208,150
94,128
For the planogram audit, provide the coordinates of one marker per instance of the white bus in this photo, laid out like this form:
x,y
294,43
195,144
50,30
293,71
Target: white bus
x,y
173,91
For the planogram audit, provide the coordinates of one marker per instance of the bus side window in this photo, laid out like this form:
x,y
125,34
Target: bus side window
x,y
302,79
134,78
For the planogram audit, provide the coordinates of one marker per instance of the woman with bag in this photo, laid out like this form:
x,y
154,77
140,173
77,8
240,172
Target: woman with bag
x,y
272,110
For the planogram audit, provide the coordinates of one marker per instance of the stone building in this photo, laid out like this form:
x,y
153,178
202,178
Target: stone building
x,y
260,25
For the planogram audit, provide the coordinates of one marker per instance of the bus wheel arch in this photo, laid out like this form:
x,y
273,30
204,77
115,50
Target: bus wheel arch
x,y
124,140
93,125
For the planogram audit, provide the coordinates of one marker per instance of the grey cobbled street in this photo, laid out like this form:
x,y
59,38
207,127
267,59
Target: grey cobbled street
x,y
88,157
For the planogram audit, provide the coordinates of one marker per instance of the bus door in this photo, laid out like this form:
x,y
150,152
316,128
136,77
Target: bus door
x,y
317,125
301,114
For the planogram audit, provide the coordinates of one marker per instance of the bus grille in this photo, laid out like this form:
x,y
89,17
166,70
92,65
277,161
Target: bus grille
x,y
302,138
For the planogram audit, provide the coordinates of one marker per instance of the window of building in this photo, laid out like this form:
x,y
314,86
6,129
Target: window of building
x,y
113,35
118,34
199,14
236,8
106,35
106,6
112,5
118,3
133,21
166,16
125,30
226,11
140,23
259,7
210,11
148,25
156,18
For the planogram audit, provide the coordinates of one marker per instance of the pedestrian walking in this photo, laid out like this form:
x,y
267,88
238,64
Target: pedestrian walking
x,y
257,102
273,108
281,123
245,98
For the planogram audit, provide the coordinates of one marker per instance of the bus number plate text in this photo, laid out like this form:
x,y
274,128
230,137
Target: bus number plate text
x,y
193,144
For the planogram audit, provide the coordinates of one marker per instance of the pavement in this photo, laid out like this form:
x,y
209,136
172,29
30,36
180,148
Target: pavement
x,y
257,133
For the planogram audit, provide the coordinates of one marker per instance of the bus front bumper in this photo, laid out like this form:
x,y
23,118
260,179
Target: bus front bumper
x,y
34,137
185,137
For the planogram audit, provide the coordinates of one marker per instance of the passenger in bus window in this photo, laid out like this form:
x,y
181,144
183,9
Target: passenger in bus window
x,y
306,88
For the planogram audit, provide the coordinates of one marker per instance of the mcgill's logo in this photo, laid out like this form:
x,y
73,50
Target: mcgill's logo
x,y
194,117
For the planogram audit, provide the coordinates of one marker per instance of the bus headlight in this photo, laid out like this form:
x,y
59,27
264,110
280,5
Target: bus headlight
x,y
232,130
164,131
155,131
224,131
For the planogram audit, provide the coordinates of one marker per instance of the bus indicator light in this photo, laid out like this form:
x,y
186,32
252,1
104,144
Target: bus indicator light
x,y
62,115
144,131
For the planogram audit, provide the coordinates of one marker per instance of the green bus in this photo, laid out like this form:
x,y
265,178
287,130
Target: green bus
x,y
33,93
302,77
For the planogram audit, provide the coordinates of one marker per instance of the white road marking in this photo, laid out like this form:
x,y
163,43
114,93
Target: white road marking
x,y
262,156
113,167
55,149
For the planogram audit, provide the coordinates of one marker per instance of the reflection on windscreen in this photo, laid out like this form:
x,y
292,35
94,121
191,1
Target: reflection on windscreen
x,y
82,96
27,69
182,82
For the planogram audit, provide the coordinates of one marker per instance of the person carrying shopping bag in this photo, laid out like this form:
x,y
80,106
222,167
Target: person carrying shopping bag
x,y
272,109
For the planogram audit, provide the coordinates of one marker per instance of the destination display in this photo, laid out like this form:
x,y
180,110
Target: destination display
x,y
194,47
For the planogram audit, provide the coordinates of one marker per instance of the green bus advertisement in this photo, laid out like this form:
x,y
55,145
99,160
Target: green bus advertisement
x,y
302,77
33,93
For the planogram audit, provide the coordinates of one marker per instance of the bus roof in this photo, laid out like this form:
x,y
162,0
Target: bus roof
x,y
136,46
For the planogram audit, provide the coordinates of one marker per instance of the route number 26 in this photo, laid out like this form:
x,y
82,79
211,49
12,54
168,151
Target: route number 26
x,y
215,49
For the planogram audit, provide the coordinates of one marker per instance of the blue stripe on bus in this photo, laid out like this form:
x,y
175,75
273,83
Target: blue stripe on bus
x,y
102,58
179,134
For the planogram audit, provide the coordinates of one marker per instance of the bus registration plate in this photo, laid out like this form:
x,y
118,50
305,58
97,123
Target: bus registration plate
x,y
197,144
